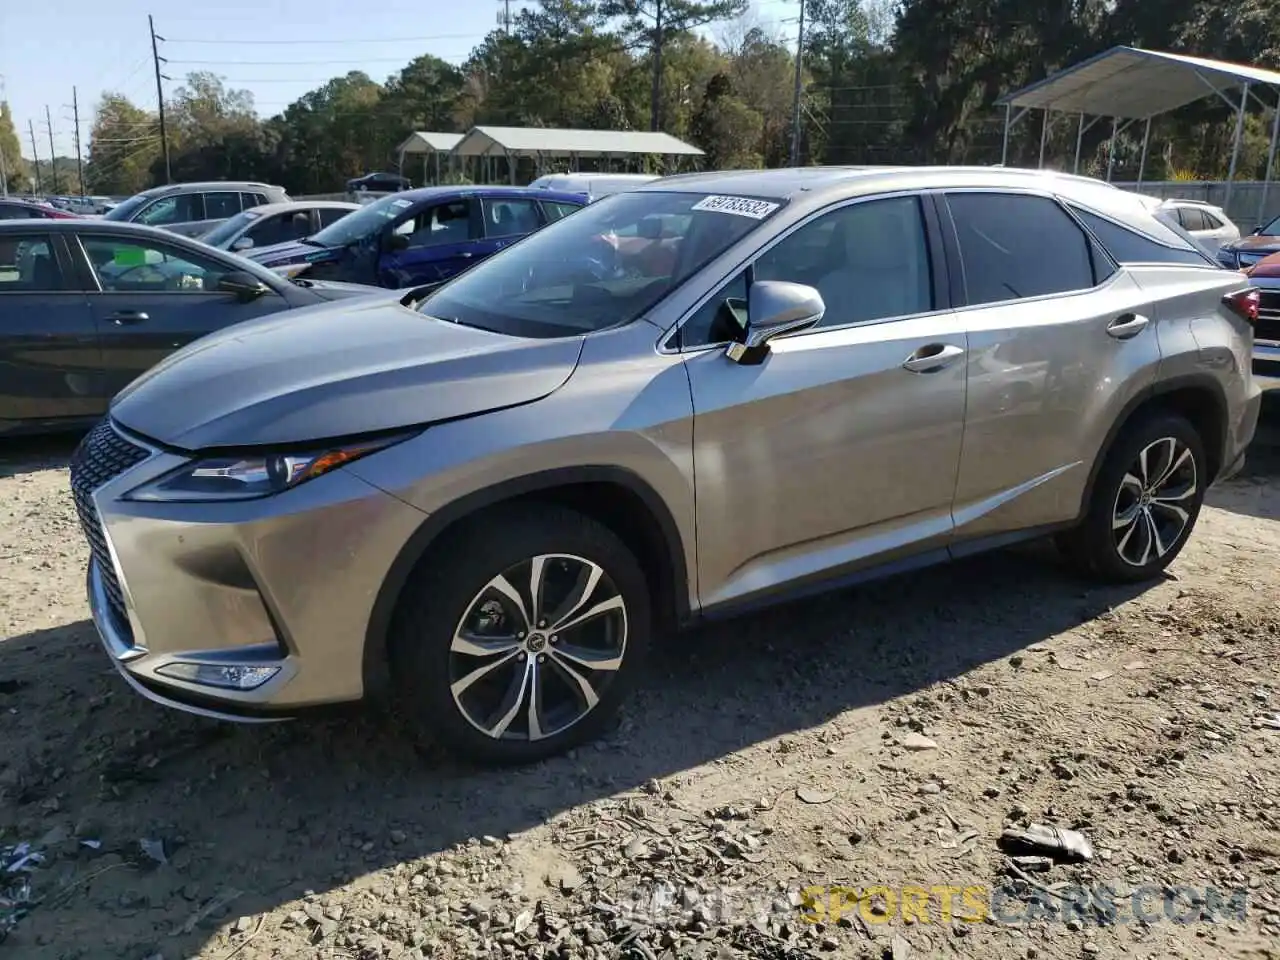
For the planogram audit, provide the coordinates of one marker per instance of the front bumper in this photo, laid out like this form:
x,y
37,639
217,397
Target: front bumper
x,y
285,582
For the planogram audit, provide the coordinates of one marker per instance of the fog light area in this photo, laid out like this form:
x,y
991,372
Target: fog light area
x,y
227,676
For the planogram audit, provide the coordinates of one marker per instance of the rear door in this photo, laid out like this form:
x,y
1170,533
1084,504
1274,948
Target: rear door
x,y
218,206
1060,339
152,297
442,239
50,360
172,212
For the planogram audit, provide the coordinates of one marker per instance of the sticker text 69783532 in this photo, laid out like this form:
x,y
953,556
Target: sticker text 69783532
x,y
738,206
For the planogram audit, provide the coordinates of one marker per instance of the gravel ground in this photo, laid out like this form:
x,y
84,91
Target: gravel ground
x,y
880,738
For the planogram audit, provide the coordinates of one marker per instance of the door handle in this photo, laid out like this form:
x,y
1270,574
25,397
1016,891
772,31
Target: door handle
x,y
466,255
932,358
1127,325
122,317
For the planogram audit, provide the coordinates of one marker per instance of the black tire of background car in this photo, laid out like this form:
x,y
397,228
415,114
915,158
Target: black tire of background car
x,y
1091,546
436,597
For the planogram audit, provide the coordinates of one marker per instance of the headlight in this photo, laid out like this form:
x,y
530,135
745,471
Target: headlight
x,y
254,475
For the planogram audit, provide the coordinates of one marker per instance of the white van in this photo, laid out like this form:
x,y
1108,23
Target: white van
x,y
593,186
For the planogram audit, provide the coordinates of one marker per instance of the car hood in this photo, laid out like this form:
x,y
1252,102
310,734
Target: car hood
x,y
1254,244
292,251
336,370
338,289
1266,269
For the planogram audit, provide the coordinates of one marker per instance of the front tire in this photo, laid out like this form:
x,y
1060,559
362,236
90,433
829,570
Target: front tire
x,y
1146,500
520,636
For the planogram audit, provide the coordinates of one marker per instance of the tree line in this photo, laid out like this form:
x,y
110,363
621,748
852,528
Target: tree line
x,y
913,81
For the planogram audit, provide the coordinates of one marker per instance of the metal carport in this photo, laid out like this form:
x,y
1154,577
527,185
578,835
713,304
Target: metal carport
x,y
426,143
1128,85
543,143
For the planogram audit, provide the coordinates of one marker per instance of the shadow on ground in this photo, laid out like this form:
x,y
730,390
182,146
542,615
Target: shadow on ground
x,y
275,811
1253,492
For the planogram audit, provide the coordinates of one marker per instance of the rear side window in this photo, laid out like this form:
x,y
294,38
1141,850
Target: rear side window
x,y
1211,222
555,210
1191,219
330,215
250,200
221,206
29,265
1015,246
1129,246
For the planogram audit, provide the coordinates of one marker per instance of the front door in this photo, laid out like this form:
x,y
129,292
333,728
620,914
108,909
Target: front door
x,y
838,451
49,353
156,298
441,243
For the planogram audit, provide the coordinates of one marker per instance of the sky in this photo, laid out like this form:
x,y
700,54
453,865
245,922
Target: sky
x,y
277,50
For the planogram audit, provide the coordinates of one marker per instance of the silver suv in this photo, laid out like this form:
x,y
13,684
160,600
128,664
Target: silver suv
x,y
195,208
707,393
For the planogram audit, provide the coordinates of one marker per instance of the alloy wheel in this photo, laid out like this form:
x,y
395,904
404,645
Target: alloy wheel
x,y
537,647
1151,514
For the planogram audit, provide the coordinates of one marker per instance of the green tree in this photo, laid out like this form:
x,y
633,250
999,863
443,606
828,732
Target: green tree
x,y
652,24
10,151
123,142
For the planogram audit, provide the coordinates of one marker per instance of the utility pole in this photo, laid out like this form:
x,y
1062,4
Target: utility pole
x,y
655,95
75,113
53,154
795,95
504,17
164,136
35,156
4,170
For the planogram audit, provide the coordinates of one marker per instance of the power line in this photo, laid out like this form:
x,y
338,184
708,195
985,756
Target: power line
x,y
293,42
294,63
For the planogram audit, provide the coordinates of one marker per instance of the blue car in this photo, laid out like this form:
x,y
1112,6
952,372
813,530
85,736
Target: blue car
x,y
419,236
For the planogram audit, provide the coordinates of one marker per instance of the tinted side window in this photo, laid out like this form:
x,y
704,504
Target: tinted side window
x,y
869,260
13,211
556,210
28,265
509,218
1018,246
144,266
1128,246
441,224
1211,222
721,319
329,215
270,230
180,208
221,206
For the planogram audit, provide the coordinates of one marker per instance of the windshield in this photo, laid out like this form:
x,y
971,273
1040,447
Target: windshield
x,y
363,223
606,265
227,229
1272,229
125,210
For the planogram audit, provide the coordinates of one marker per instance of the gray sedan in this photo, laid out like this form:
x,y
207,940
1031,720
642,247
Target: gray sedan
x,y
274,223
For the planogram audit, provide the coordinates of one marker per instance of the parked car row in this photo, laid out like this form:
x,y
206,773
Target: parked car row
x,y
487,496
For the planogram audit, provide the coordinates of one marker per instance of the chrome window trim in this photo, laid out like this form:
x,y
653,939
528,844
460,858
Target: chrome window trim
x,y
1062,202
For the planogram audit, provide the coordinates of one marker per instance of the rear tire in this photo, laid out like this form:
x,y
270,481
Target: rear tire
x,y
1145,502
520,636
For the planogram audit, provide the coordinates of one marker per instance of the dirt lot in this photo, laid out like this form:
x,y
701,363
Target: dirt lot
x,y
882,737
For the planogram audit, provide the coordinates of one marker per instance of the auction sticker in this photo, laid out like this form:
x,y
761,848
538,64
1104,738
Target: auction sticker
x,y
738,206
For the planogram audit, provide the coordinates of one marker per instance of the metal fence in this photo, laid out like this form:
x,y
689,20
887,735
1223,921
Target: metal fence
x,y
1252,201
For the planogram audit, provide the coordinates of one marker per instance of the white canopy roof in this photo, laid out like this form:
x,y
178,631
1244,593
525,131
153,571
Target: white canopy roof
x,y
551,142
424,141
1134,84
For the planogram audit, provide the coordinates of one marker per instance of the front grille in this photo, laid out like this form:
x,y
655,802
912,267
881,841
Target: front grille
x,y
1268,325
102,456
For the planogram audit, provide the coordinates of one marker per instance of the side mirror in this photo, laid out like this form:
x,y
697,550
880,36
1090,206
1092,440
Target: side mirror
x,y
245,286
242,243
395,241
775,308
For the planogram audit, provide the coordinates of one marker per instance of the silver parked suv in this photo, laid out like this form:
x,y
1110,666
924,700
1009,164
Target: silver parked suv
x,y
710,392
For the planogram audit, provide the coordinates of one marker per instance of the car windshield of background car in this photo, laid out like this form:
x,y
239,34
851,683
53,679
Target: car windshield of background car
x,y
605,266
361,224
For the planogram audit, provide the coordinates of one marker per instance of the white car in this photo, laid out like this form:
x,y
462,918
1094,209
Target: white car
x,y
1209,225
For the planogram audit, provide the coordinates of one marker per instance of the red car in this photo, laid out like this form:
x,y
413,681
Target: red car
x,y
11,209
1265,275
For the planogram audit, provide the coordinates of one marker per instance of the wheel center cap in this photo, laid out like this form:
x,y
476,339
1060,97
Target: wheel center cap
x,y
536,642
